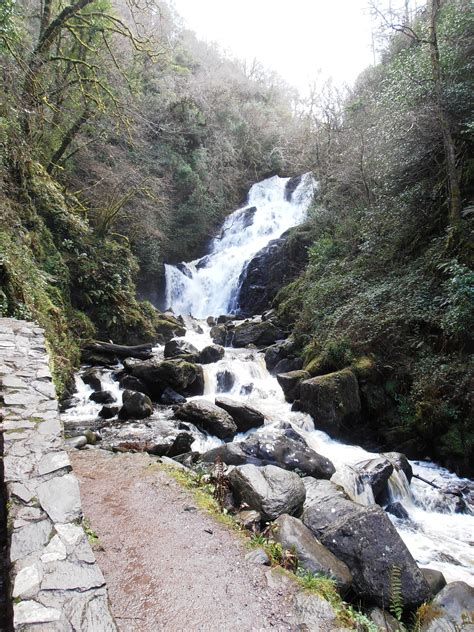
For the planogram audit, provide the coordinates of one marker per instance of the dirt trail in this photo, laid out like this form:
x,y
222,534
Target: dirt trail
x,y
168,565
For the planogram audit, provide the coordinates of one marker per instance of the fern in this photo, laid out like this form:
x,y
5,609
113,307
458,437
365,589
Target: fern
x,y
396,599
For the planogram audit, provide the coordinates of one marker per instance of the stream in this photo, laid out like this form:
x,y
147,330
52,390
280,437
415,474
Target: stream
x,y
437,536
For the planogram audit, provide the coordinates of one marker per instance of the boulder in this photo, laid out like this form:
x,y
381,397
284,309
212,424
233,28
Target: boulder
x,y
366,540
258,556
102,397
184,377
288,364
175,348
208,417
269,490
211,353
245,416
294,536
107,412
218,334
132,383
397,510
169,397
315,614
167,327
274,448
135,405
249,519
291,383
332,400
278,352
256,333
91,377
181,444
436,580
399,462
453,608
376,473
225,381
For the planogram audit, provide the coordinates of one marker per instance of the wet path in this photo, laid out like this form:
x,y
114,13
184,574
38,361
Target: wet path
x,y
169,566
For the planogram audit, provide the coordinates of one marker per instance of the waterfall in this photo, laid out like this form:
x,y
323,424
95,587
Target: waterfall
x,y
209,286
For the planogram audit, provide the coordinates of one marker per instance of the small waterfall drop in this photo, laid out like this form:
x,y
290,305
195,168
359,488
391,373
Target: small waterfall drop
x,y
209,286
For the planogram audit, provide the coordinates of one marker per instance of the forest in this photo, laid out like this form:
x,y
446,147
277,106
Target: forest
x,y
125,141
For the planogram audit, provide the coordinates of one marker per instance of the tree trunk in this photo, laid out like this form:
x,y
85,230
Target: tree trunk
x,y
67,140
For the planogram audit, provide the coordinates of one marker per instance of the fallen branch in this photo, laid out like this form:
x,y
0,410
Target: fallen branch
x,y
141,352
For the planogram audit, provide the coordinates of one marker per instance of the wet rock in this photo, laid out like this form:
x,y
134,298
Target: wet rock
x,y
92,437
244,415
208,417
288,364
436,580
294,536
376,473
397,510
218,334
291,383
132,383
211,321
107,412
332,400
366,540
175,348
230,454
184,377
102,397
65,404
246,389
97,358
454,607
384,620
399,462
256,333
169,397
277,352
91,377
269,489
210,354
135,405
181,445
168,327
249,519
225,381
188,459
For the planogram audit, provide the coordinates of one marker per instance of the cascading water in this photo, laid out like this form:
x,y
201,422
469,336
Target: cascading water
x,y
209,286
435,534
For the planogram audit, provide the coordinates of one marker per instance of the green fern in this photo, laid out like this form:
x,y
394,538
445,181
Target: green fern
x,y
396,599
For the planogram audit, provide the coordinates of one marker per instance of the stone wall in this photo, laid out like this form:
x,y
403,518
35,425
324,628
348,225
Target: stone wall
x,y
55,581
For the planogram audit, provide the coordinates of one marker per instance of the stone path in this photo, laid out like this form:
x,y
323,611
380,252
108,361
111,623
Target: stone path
x,y
170,566
57,584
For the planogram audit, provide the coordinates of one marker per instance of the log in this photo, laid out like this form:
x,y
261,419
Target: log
x,y
141,352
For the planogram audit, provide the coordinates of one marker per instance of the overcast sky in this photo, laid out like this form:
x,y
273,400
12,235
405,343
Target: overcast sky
x,y
297,38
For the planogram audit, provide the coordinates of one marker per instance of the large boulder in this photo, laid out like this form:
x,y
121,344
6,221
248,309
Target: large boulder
x,y
169,397
453,609
291,383
376,473
183,377
400,462
256,333
135,405
274,448
175,348
279,351
332,400
91,377
436,580
366,540
244,415
167,327
211,353
102,397
269,490
208,417
293,535
218,334
132,383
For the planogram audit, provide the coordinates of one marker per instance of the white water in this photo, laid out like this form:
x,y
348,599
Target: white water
x,y
209,286
436,536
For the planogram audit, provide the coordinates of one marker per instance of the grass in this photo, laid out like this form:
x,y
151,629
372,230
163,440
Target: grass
x,y
92,536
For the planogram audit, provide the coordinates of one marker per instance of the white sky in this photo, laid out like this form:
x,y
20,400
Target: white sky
x,y
298,38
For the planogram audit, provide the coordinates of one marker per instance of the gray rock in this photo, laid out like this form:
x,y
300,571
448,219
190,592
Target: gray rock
x,y
133,383
398,510
209,418
68,575
278,352
400,462
169,397
258,556
135,405
31,612
332,400
91,377
454,607
175,348
54,461
290,383
245,416
256,333
249,519
218,334
384,620
366,540
184,377
29,539
315,614
60,498
436,580
210,354
293,535
269,489
376,473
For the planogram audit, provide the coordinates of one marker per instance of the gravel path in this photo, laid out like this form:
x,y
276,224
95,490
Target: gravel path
x,y
168,565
